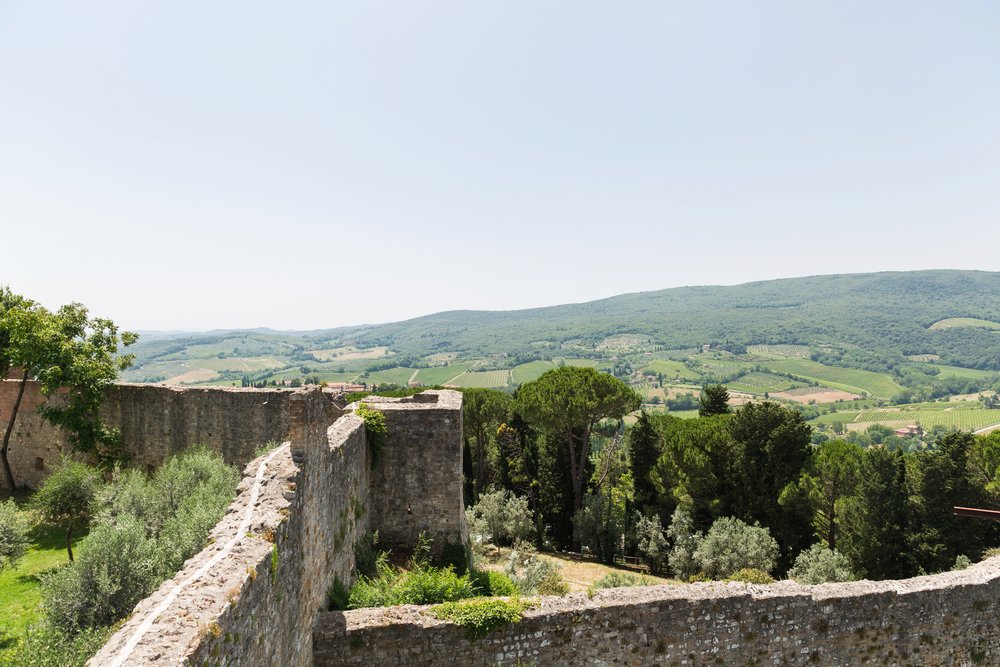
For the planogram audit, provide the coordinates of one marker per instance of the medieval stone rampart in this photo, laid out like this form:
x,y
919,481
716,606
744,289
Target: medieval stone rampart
x,y
155,421
252,596
945,619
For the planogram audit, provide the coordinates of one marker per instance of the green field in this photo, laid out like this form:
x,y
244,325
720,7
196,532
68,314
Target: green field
x,y
759,383
482,379
441,374
959,322
847,379
672,370
965,420
964,373
397,375
530,371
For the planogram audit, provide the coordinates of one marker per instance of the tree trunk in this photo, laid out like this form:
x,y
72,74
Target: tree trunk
x,y
69,542
8,473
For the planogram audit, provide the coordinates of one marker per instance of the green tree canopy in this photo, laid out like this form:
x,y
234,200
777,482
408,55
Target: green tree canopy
x,y
714,401
568,403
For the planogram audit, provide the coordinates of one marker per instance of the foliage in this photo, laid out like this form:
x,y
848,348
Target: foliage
x,y
85,362
118,565
500,517
145,530
651,543
534,575
961,562
339,596
644,450
491,583
483,410
376,430
824,486
67,498
568,403
621,580
684,541
749,575
43,645
731,545
481,615
774,445
819,564
599,527
714,401
875,518
13,535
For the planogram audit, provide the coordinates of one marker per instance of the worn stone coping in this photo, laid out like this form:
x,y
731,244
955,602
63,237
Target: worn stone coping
x,y
340,623
183,389
165,627
432,399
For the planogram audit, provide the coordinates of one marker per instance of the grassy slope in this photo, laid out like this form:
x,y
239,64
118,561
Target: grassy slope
x,y
848,379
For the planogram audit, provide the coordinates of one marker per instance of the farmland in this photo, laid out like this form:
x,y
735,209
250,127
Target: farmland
x,y
851,380
530,371
965,420
760,383
962,322
482,379
441,374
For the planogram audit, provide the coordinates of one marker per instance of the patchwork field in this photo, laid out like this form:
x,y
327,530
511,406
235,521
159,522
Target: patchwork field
x,y
760,383
672,370
349,353
965,420
795,351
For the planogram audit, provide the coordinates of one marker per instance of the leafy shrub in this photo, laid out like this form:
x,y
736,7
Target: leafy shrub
x,y
732,545
118,565
366,553
339,596
817,565
376,429
682,534
13,535
650,541
491,583
67,497
534,575
481,615
750,575
501,518
621,580
45,646
961,562
455,556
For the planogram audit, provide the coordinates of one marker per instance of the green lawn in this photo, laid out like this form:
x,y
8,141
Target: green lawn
x,y
20,587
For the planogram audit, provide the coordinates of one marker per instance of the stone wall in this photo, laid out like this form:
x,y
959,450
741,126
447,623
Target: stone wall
x,y
156,421
418,482
251,597
946,619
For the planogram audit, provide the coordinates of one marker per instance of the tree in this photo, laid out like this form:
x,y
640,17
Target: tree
x,y
63,350
875,518
938,481
13,535
731,545
774,445
85,363
28,341
714,401
832,477
644,450
568,403
483,410
67,498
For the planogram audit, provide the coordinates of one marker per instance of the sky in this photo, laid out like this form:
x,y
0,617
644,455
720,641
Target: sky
x,y
200,165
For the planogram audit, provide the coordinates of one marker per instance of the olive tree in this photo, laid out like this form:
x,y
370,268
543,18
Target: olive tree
x,y
67,498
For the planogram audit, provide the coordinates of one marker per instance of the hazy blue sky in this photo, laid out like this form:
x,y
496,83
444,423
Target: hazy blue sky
x,y
304,165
